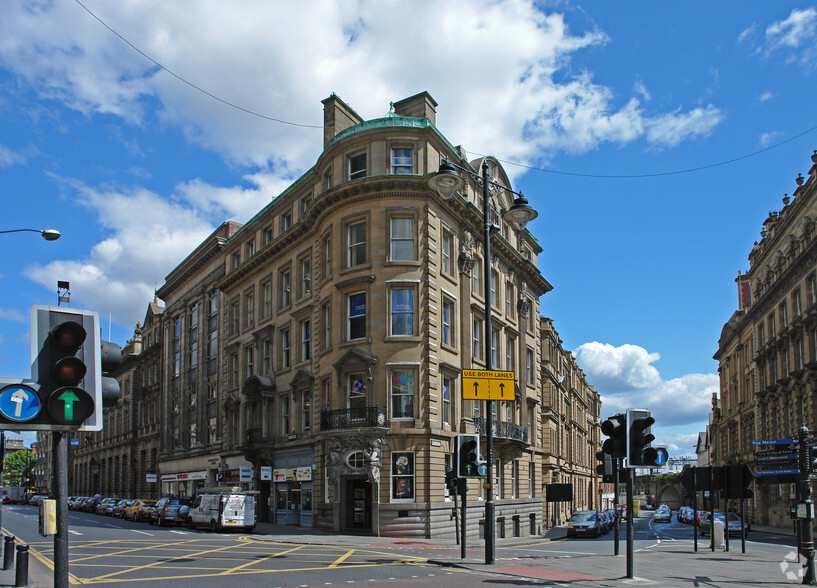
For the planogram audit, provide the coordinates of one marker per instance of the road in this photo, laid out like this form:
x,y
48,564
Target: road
x,y
105,551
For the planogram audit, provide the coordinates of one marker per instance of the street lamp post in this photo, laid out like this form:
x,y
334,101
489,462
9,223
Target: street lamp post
x,y
447,181
48,234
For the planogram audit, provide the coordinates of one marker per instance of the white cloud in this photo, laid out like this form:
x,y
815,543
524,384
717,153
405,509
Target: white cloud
x,y
12,314
626,378
794,39
671,129
8,157
767,139
508,51
766,96
280,59
148,235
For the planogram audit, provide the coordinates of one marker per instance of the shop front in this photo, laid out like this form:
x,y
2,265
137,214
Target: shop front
x,y
183,484
292,485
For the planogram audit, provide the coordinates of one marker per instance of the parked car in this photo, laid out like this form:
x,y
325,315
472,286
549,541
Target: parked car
x,y
89,504
649,507
139,510
27,497
170,511
584,522
734,526
105,506
118,509
604,523
663,514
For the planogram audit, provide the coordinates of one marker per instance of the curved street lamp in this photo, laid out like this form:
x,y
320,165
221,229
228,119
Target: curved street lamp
x,y
447,181
48,234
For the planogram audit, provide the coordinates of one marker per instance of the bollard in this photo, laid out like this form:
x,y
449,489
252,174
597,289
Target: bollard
x,y
8,552
21,573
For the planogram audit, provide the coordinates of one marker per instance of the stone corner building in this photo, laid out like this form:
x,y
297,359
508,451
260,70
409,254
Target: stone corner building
x,y
767,352
315,353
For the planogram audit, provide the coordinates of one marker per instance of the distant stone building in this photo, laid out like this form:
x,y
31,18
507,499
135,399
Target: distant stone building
x,y
767,352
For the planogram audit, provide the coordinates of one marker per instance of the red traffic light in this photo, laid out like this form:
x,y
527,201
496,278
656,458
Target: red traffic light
x,y
68,337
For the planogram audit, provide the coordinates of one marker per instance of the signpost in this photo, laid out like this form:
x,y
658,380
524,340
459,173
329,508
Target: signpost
x,y
488,385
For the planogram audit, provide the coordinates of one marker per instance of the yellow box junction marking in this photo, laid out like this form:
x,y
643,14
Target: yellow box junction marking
x,y
488,385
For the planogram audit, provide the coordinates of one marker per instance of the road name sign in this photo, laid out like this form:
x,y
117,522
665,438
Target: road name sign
x,y
777,472
776,457
761,442
488,385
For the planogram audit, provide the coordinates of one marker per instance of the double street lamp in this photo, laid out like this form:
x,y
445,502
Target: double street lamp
x,y
447,181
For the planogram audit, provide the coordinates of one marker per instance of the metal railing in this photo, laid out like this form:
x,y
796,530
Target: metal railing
x,y
352,418
502,429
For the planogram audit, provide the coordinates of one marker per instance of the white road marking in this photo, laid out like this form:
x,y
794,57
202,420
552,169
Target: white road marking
x,y
74,532
142,532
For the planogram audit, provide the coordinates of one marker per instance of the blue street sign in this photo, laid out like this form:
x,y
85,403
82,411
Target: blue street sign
x,y
774,442
777,472
19,403
74,441
780,457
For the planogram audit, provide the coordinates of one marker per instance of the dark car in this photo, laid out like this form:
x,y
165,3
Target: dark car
x,y
89,504
734,526
585,523
169,511
685,514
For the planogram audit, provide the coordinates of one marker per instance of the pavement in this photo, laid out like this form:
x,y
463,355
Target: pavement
x,y
665,564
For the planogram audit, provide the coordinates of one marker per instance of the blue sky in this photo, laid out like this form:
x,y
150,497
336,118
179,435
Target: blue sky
x,y
136,127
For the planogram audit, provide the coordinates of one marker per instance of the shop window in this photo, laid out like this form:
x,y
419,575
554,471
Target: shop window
x,y
402,477
402,394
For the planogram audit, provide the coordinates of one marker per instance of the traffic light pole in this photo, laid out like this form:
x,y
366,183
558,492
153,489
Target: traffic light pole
x,y
617,467
805,516
630,523
59,463
464,489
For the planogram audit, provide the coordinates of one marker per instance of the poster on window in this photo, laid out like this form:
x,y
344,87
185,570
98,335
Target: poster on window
x,y
402,476
403,488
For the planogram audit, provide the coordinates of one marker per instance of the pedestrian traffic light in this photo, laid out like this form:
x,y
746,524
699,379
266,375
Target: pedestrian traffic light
x,y
616,429
65,368
468,456
640,452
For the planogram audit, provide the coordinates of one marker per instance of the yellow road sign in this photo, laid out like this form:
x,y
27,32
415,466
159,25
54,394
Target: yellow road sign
x,y
487,385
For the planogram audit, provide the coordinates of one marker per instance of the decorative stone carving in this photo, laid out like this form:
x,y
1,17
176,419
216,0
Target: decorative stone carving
x,y
466,257
343,445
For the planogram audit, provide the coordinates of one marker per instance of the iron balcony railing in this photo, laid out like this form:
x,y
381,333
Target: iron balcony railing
x,y
253,436
502,429
352,418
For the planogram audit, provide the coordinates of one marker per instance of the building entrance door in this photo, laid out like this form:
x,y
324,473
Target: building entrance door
x,y
358,506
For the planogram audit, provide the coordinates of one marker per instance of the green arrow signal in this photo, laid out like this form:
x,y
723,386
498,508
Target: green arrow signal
x,y
69,398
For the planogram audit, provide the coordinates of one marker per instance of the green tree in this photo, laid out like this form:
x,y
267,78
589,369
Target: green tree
x,y
18,468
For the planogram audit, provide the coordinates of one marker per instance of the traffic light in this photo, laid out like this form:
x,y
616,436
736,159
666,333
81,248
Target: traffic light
x,y
640,452
616,429
812,455
606,467
468,456
451,482
110,358
66,368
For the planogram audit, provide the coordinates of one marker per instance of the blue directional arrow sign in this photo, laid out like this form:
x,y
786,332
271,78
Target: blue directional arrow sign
x,y
19,403
662,457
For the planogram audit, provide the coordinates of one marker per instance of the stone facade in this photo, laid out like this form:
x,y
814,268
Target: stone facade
x,y
315,353
767,352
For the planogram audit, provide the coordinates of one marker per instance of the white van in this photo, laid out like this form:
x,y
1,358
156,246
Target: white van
x,y
223,510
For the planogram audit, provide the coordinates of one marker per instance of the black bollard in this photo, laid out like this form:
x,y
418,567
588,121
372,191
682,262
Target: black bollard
x,y
8,552
21,573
